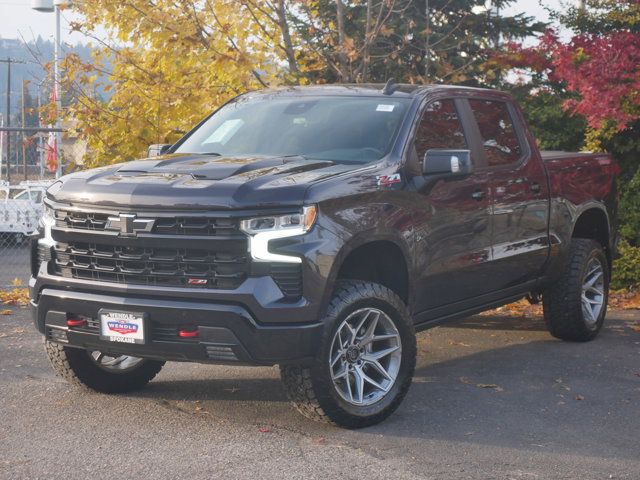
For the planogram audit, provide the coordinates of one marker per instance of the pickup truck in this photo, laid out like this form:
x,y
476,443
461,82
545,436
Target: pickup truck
x,y
319,228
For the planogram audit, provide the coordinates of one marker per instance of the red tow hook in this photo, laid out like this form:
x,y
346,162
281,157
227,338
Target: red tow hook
x,y
191,332
76,322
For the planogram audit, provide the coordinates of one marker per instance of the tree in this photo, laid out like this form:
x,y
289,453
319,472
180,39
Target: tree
x,y
169,63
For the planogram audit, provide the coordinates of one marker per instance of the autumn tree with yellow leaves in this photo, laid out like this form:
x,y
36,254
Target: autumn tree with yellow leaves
x,y
159,66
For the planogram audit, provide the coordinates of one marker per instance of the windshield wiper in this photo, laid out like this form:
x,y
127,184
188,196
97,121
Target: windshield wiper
x,y
213,154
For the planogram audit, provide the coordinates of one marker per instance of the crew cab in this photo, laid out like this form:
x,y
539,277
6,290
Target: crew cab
x,y
318,228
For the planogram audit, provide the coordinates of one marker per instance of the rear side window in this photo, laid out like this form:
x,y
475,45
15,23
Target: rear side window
x,y
499,138
439,128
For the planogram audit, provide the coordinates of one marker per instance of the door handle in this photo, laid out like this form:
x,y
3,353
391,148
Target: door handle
x,y
534,187
478,195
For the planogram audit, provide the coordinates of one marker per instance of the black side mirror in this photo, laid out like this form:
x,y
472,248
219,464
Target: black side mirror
x,y
158,149
450,163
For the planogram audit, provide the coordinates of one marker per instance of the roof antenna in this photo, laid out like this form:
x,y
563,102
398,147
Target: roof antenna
x,y
390,87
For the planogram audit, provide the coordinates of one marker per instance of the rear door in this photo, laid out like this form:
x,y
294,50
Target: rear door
x,y
520,195
452,217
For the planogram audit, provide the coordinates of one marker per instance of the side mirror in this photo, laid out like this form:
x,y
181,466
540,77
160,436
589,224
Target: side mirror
x,y
158,149
453,163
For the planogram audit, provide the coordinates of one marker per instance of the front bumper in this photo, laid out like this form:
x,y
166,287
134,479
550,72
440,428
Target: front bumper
x,y
227,333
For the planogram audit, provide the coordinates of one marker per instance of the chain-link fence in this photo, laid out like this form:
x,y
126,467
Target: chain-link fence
x,y
28,166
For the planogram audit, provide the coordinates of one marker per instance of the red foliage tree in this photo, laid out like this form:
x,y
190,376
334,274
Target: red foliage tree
x,y
600,63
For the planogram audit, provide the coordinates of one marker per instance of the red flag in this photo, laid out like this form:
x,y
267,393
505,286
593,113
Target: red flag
x,y
52,141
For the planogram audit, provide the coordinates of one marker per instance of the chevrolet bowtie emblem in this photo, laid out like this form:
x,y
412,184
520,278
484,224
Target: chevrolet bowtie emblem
x,y
129,225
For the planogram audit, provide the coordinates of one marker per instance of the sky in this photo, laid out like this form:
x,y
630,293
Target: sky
x,y
19,19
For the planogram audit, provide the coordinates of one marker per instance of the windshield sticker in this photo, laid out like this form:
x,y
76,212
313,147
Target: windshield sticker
x,y
385,180
382,107
224,132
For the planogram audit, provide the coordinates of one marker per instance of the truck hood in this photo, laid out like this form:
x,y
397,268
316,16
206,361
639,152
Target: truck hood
x,y
196,181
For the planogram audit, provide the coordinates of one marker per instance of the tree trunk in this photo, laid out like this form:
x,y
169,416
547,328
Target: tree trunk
x,y
286,38
342,37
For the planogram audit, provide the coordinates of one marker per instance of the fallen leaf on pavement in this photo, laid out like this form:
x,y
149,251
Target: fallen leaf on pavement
x,y
497,388
264,430
6,312
579,397
17,296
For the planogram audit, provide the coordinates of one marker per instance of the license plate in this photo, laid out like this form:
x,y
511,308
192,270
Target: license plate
x,y
123,327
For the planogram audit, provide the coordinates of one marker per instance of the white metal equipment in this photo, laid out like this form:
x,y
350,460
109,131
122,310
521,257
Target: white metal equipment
x,y
21,208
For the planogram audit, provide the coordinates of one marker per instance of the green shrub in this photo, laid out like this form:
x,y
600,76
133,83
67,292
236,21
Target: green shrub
x,y
626,268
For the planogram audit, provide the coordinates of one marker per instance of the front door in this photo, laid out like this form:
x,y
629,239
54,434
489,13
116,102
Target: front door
x,y
453,217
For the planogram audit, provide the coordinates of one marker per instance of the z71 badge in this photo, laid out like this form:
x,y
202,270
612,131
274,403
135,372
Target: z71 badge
x,y
386,180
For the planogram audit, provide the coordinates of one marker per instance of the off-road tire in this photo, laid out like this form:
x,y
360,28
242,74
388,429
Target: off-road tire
x,y
310,388
75,366
562,301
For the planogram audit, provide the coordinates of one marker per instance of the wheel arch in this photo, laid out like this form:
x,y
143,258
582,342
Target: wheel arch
x,y
593,223
379,258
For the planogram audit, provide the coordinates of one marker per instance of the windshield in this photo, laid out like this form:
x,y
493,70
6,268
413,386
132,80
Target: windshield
x,y
341,129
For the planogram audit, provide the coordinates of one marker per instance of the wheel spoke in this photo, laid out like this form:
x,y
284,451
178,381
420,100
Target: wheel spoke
x,y
359,384
591,301
342,374
336,358
594,290
368,336
380,369
594,278
586,309
375,356
366,378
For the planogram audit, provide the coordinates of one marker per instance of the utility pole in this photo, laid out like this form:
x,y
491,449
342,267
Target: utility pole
x,y
24,147
9,61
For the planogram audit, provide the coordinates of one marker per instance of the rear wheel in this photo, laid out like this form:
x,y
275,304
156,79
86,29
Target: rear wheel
x,y
575,307
366,361
99,371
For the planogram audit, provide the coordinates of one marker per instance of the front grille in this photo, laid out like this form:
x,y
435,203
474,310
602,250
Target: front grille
x,y
183,250
81,220
184,225
152,266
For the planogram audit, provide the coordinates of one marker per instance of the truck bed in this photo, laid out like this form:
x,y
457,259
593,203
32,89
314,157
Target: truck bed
x,y
548,155
581,179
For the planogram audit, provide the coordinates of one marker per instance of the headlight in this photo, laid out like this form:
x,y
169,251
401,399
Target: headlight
x,y
263,229
47,221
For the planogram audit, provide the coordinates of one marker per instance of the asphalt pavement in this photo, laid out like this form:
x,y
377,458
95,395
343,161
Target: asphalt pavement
x,y
14,263
493,398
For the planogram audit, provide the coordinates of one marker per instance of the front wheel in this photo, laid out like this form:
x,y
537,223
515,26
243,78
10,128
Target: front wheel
x,y
575,307
366,360
99,371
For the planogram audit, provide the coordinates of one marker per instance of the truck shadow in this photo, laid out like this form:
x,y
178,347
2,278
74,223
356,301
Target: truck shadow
x,y
535,394
501,322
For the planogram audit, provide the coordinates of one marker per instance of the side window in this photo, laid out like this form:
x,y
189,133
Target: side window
x,y
499,139
439,128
